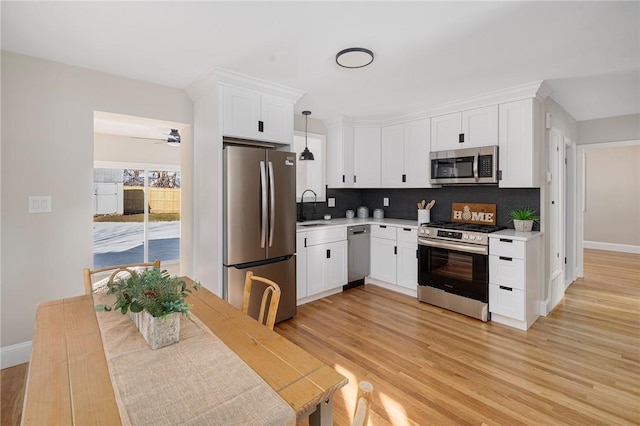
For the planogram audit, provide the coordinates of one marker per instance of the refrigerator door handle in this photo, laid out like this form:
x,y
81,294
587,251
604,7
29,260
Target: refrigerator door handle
x,y
263,191
272,204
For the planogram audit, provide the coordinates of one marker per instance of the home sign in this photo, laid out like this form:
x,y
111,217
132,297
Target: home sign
x,y
482,214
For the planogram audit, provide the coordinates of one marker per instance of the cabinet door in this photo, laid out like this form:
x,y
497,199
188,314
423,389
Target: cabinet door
x,y
348,153
336,264
407,267
366,157
383,259
417,142
316,269
445,132
392,172
326,267
516,144
301,265
480,127
276,114
241,112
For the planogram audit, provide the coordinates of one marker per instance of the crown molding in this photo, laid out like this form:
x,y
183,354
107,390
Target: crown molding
x,y
232,78
215,76
536,89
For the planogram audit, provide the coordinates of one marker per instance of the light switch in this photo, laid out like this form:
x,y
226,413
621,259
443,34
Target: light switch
x,y
385,202
331,202
39,204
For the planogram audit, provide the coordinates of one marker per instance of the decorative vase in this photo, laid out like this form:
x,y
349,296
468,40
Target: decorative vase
x,y
160,331
523,225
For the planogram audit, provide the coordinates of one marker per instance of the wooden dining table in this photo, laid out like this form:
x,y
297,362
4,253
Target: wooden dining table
x,y
68,382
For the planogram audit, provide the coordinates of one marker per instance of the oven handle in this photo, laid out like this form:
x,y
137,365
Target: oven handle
x,y
453,246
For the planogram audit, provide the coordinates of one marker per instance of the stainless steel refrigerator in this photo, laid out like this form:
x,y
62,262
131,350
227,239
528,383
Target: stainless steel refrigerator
x,y
260,224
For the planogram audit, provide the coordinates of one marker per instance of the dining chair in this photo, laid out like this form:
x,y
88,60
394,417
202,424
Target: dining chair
x,y
272,289
116,271
363,401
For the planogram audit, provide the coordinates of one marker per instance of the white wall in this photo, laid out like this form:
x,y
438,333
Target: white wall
x,y
610,129
613,195
47,149
122,149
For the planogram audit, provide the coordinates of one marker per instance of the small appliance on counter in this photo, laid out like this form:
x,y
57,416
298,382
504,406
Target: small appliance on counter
x,y
350,214
378,214
363,212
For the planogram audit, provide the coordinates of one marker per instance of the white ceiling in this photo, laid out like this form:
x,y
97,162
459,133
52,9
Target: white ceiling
x,y
426,53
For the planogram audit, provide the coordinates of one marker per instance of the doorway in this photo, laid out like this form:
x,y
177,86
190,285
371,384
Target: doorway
x,y
137,191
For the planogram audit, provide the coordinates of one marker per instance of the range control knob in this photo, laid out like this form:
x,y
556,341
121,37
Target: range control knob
x,y
479,238
472,237
465,236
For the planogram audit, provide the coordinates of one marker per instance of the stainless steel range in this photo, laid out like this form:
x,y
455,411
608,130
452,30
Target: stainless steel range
x,y
453,267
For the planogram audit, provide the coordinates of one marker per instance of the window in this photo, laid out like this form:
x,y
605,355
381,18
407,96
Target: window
x,y
310,174
136,216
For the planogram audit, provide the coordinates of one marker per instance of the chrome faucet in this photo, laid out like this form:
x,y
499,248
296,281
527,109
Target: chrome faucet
x,y
301,218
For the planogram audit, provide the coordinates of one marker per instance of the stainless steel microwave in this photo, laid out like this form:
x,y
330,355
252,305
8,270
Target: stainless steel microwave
x,y
468,166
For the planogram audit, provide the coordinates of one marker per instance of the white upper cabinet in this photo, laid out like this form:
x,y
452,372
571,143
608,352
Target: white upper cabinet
x,y
253,115
366,157
340,156
466,129
519,144
405,155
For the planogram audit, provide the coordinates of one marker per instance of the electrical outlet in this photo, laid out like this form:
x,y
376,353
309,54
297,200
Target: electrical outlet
x,y
385,202
331,202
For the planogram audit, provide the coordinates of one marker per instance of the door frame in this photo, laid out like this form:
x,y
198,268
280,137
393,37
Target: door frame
x,y
581,200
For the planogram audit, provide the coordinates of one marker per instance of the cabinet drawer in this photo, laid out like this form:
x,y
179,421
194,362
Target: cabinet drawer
x,y
323,236
384,231
506,271
506,247
506,301
407,235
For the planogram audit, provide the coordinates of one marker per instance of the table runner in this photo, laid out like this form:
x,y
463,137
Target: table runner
x,y
195,381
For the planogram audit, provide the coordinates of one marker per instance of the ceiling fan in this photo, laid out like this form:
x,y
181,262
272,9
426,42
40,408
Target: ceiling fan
x,y
173,138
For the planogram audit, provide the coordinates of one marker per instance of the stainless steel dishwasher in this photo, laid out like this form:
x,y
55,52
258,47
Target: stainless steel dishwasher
x,y
358,241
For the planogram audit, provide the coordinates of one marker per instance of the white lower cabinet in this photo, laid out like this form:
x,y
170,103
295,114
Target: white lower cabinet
x,y
321,261
514,278
393,256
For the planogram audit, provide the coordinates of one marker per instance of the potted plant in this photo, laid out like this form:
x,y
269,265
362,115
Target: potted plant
x,y
523,219
155,301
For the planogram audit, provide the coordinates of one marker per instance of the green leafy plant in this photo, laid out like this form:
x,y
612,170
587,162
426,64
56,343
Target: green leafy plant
x,y
153,290
524,214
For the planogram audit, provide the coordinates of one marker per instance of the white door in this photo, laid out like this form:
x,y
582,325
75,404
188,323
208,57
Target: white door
x,y
276,114
555,223
445,130
336,264
241,112
393,159
366,157
383,259
407,267
316,270
416,153
480,127
301,265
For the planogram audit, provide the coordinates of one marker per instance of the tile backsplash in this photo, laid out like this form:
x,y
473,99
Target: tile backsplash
x,y
402,202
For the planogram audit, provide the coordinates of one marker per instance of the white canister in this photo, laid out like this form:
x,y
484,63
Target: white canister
x,y
378,214
363,212
424,216
350,214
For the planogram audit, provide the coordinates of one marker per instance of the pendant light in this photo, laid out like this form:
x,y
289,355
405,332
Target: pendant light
x,y
306,154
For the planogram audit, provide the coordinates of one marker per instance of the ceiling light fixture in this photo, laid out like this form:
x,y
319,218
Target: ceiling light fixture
x,y
354,57
174,138
306,154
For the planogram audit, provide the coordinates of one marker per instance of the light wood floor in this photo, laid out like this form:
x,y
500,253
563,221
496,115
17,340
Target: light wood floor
x,y
578,366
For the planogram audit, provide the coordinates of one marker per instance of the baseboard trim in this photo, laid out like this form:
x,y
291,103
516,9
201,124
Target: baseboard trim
x,y
624,248
15,354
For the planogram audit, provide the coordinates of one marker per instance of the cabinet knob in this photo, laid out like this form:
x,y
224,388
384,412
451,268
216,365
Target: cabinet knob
x,y
461,138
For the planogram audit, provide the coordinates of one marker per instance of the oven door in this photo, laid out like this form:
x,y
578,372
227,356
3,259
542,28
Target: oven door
x,y
455,268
